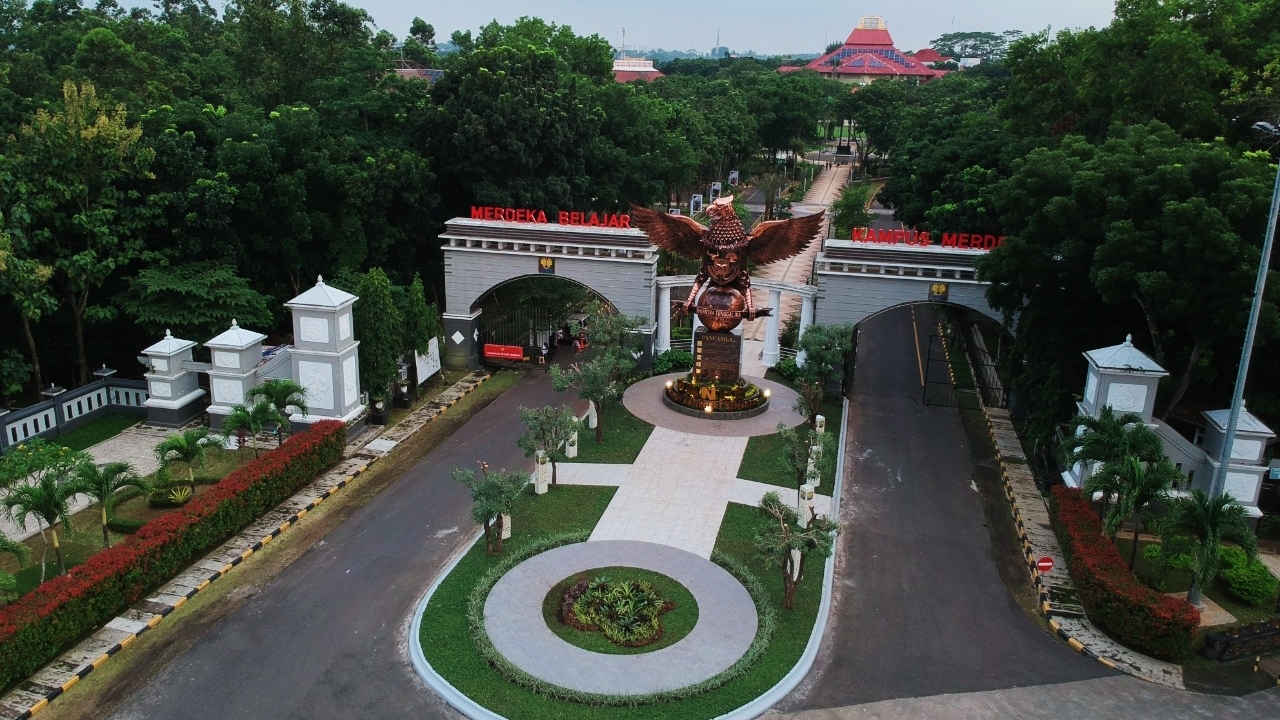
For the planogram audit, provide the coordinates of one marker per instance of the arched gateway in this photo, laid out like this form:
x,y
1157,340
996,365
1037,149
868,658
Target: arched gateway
x,y
852,281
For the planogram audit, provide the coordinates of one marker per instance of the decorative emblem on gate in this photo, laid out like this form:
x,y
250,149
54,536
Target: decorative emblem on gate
x,y
547,265
938,292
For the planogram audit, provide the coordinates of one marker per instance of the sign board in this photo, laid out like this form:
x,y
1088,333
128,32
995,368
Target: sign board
x,y
1044,564
695,204
572,217
938,291
733,177
503,352
673,210
546,266
717,356
715,191
429,364
903,236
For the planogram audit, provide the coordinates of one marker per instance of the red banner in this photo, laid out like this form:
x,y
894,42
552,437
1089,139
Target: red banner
x,y
504,352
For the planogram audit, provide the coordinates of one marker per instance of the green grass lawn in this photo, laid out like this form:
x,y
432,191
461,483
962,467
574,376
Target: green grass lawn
x,y
450,649
763,461
624,436
94,432
1180,581
676,623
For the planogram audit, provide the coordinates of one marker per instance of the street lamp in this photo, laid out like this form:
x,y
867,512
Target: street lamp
x,y
1237,398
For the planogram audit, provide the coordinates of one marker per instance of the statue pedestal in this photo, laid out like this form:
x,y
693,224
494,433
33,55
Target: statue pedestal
x,y
717,356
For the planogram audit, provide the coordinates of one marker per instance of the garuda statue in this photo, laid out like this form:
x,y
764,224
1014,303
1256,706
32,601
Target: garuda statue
x,y
725,249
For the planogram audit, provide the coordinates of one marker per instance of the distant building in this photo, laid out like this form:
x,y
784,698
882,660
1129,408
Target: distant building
x,y
413,71
626,69
930,56
868,54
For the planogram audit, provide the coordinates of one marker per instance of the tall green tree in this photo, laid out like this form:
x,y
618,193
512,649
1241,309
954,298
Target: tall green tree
x,y
193,300
1135,484
825,349
379,329
251,420
548,430
1204,523
74,203
101,485
1110,438
807,454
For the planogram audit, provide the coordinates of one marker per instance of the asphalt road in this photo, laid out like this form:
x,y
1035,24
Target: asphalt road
x,y
921,609
323,640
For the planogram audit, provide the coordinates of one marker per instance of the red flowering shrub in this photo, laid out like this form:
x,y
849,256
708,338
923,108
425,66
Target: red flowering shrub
x,y
1141,618
58,613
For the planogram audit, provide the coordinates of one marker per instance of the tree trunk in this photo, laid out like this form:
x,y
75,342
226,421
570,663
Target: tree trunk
x,y
31,350
1195,594
106,539
1183,382
488,541
191,478
57,551
498,527
1133,551
553,472
82,364
599,422
44,552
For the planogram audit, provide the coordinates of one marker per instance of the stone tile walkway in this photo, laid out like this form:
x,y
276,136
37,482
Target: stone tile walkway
x,y
513,619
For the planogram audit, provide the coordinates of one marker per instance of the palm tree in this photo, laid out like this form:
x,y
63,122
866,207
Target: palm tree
x,y
1136,484
48,498
16,549
1110,439
102,484
187,447
251,420
1204,522
281,393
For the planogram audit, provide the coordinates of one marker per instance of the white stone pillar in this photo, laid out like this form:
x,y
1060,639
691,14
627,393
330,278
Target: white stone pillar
x,y
541,473
771,340
591,414
571,446
506,527
806,319
664,319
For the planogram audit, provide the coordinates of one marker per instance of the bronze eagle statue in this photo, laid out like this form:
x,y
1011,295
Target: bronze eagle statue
x,y
725,247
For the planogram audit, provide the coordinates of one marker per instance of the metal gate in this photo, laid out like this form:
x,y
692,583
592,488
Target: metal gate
x,y
973,374
527,327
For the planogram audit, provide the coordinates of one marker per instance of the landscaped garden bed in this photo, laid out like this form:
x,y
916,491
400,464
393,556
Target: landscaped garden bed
x,y
566,514
620,610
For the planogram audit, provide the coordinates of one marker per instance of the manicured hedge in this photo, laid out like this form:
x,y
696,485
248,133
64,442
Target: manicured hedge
x,y
1141,618
58,613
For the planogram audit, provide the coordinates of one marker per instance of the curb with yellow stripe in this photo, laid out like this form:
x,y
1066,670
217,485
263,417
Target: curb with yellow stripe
x,y
155,611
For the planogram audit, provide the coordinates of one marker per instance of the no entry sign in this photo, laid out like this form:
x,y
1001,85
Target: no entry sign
x,y
1044,564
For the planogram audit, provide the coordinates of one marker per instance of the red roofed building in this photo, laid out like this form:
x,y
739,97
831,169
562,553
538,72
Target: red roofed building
x,y
930,56
626,69
868,55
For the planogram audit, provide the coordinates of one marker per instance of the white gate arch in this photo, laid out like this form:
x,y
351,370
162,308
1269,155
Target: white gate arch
x,y
619,264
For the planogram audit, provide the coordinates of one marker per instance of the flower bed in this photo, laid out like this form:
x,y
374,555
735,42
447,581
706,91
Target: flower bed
x,y
628,612
1137,616
57,614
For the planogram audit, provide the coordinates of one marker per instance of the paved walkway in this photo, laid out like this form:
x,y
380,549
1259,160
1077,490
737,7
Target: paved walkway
x,y
726,624
135,445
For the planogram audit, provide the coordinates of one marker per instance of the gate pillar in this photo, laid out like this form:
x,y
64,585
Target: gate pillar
x,y
770,356
462,340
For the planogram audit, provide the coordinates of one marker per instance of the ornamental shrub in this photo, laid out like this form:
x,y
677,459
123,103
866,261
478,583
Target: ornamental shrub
x,y
672,360
788,369
1248,580
58,613
1137,616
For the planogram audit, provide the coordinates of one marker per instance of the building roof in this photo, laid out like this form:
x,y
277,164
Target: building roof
x,y
1124,357
929,55
869,51
417,73
321,296
170,345
1246,424
235,338
626,69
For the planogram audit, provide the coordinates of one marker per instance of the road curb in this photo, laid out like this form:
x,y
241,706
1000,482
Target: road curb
x,y
754,708
72,666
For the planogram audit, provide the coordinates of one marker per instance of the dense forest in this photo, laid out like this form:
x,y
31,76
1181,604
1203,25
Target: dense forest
x,y
183,166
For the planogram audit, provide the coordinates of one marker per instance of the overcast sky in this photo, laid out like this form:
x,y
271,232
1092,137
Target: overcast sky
x,y
765,26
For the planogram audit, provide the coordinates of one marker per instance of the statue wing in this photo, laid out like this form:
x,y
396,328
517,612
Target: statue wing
x,y
778,239
676,233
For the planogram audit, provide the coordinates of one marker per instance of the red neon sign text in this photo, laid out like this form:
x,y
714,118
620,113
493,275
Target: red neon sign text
x,y
605,220
967,241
